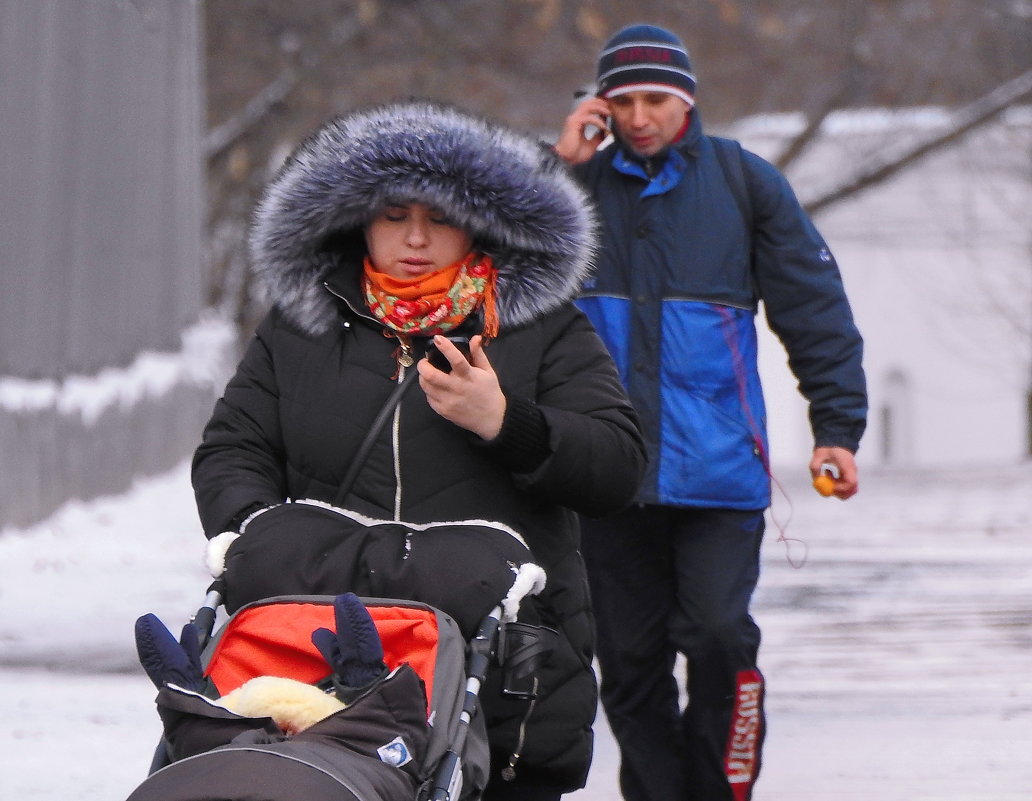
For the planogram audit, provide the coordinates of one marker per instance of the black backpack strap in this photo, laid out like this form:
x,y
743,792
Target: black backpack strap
x,y
729,156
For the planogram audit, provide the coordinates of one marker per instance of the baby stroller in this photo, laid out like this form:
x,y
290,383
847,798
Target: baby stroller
x,y
416,733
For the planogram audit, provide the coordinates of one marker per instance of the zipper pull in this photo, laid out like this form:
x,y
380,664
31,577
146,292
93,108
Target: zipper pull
x,y
405,354
402,354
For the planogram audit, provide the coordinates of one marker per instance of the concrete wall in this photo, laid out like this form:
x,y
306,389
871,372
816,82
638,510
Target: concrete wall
x,y
101,214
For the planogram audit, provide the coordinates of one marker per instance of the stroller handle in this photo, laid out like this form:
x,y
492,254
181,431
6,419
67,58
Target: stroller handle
x,y
448,778
204,618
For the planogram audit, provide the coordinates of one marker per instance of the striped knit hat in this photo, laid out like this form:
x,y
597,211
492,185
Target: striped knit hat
x,y
645,58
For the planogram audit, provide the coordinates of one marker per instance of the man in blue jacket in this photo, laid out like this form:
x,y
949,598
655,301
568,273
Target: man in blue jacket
x,y
697,231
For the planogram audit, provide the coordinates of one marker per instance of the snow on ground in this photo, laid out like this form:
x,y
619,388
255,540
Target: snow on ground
x,y
897,656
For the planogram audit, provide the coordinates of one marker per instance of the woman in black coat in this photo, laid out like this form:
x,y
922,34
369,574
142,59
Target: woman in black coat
x,y
529,431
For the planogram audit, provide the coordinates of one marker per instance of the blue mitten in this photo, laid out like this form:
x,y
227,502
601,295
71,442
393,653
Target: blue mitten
x,y
355,652
190,641
166,661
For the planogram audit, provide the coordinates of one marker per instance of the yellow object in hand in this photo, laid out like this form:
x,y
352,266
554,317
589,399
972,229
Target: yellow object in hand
x,y
824,484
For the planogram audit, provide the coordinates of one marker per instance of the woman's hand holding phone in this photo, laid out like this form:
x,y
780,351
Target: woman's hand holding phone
x,y
440,360
469,395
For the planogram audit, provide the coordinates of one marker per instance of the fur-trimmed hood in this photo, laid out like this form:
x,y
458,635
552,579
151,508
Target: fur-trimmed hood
x,y
506,189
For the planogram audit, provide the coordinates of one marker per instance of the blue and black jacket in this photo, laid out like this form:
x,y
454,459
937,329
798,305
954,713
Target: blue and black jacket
x,y
680,274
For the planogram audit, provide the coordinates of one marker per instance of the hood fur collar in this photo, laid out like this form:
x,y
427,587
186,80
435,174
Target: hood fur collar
x,y
507,190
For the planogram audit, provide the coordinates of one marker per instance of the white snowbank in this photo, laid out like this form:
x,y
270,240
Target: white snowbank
x,y
201,360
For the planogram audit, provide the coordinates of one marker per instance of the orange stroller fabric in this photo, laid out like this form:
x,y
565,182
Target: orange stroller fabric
x,y
276,640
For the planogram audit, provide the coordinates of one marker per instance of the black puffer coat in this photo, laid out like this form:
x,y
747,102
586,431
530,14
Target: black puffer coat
x,y
320,368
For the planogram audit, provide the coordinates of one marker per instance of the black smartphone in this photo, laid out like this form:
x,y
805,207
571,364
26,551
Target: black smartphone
x,y
439,360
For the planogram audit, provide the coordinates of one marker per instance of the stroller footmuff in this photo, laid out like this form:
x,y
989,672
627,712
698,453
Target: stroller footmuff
x,y
307,547
413,732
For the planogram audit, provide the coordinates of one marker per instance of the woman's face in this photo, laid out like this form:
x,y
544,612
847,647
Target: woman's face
x,y
411,240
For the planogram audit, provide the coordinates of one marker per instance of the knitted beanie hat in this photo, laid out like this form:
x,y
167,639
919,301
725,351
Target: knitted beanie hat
x,y
645,58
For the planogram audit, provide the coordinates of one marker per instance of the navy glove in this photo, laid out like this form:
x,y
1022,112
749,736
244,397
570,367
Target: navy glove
x,y
355,652
166,661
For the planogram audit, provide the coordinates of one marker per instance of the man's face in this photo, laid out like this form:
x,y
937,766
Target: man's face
x,y
648,121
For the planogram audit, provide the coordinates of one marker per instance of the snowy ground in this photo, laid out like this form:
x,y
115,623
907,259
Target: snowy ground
x,y
897,656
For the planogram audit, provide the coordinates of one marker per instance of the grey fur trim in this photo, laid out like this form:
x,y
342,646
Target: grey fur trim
x,y
514,197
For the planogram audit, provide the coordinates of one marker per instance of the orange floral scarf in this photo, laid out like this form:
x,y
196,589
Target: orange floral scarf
x,y
437,302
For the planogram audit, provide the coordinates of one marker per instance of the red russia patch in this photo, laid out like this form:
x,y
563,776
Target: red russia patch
x,y
740,762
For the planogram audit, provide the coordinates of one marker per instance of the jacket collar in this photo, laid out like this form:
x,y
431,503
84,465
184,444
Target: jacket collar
x,y
687,144
664,170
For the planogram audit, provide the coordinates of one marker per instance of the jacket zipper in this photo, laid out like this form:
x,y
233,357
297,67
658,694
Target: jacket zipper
x,y
405,361
508,773
396,447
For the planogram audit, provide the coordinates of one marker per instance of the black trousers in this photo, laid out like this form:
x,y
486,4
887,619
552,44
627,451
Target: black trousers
x,y
665,581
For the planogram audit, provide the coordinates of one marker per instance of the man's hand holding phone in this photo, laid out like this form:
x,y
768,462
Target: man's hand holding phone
x,y
586,127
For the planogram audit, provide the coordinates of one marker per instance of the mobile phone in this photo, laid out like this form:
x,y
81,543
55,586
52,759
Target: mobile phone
x,y
591,131
439,360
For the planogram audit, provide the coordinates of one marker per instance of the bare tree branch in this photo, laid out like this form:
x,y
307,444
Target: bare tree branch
x,y
966,119
839,94
834,100
222,136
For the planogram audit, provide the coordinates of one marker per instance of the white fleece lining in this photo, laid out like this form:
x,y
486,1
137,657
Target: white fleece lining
x,y
253,515
372,521
530,580
218,546
215,552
